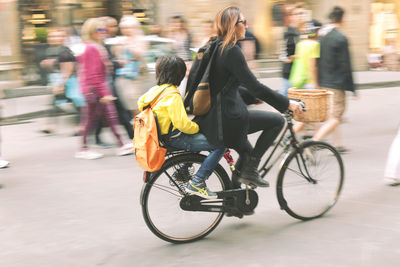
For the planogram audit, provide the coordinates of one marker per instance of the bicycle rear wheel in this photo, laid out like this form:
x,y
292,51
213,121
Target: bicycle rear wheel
x,y
310,180
161,200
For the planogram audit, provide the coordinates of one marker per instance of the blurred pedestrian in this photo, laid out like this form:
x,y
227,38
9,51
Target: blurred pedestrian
x,y
131,75
180,34
304,72
94,66
124,115
73,37
335,74
182,42
207,31
250,47
60,67
278,19
291,37
392,170
112,26
156,30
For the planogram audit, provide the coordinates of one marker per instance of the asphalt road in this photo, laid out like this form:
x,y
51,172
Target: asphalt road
x,y
59,211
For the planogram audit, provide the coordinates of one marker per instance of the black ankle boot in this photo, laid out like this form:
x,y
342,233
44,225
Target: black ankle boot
x,y
236,174
249,174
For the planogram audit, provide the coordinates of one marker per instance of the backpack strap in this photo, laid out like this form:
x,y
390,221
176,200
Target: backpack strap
x,y
166,91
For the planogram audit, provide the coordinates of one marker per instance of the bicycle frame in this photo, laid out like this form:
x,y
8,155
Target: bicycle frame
x,y
294,143
269,163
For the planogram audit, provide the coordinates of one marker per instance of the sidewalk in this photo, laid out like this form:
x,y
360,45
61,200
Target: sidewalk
x,y
30,102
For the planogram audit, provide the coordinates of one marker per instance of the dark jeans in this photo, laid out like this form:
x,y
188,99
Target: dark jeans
x,y
270,124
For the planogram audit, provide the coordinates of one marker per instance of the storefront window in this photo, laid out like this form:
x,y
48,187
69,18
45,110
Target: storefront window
x,y
384,23
384,33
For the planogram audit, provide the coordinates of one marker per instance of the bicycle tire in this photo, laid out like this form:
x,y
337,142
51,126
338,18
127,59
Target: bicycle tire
x,y
301,202
152,216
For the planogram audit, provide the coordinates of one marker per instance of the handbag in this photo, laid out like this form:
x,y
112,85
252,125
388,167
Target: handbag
x,y
298,75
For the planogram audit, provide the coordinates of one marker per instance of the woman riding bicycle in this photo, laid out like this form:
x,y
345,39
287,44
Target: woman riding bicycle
x,y
237,121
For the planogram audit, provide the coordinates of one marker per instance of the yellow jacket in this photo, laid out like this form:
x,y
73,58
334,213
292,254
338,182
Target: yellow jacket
x,y
169,109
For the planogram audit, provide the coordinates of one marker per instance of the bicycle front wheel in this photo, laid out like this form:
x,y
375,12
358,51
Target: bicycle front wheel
x,y
310,180
161,198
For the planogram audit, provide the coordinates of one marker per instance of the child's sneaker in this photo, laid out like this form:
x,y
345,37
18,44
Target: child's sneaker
x,y
200,189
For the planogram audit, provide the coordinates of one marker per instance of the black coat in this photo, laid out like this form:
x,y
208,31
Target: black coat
x,y
334,63
291,38
231,65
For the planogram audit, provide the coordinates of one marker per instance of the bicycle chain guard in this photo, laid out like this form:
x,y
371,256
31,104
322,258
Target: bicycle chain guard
x,y
238,202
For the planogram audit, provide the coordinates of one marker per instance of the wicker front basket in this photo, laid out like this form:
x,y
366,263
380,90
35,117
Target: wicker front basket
x,y
318,104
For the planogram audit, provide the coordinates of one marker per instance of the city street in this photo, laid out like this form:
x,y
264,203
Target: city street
x,y
59,211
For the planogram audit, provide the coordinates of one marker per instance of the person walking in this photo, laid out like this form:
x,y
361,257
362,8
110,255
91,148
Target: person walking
x,y
130,76
61,75
94,66
237,122
291,37
392,170
335,74
124,115
180,34
304,73
278,24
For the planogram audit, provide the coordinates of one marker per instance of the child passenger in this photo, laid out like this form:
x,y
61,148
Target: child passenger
x,y
170,70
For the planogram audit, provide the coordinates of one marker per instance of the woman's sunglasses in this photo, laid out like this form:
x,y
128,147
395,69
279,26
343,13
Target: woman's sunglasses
x,y
242,21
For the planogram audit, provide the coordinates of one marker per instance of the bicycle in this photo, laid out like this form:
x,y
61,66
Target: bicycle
x,y
177,217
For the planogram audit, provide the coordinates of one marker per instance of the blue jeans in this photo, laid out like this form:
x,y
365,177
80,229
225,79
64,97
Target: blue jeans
x,y
196,143
285,86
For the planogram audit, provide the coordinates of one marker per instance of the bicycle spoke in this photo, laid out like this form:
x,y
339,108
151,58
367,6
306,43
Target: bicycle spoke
x,y
299,173
168,190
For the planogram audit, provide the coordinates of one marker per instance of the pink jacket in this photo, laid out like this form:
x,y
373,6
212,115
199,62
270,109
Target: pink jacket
x,y
93,71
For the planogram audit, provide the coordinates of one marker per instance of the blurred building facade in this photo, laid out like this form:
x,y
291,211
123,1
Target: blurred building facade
x,y
259,15
10,58
368,23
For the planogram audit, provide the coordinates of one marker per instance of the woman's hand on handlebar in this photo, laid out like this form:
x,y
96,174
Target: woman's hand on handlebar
x,y
295,107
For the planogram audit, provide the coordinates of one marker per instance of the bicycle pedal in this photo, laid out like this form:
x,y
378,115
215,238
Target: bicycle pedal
x,y
248,213
252,186
234,214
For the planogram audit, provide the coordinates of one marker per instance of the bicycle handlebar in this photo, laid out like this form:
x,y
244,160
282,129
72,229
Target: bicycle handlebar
x,y
303,105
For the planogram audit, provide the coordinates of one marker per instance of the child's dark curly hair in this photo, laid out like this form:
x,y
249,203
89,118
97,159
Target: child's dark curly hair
x,y
170,69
